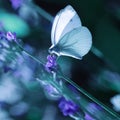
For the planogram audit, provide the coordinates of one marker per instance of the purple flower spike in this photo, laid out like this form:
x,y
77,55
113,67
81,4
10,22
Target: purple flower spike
x,y
51,63
11,36
67,107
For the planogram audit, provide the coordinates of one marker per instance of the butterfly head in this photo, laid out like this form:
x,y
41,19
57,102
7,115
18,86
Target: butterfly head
x,y
54,49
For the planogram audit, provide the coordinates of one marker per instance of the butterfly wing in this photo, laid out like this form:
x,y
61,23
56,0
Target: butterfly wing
x,y
74,44
65,21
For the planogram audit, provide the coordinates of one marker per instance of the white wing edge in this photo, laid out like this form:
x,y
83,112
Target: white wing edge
x,y
60,21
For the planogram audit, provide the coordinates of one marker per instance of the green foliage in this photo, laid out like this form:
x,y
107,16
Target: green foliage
x,y
14,23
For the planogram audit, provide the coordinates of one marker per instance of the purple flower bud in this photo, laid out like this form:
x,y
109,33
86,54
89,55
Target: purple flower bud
x,y
50,89
51,92
16,3
88,117
11,36
67,107
51,63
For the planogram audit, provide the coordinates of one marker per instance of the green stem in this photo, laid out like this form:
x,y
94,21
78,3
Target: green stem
x,y
92,98
38,61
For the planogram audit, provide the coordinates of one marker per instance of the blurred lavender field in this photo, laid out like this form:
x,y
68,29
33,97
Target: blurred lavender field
x,y
87,89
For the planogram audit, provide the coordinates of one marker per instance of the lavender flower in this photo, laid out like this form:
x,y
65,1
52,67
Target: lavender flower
x,y
92,107
67,107
11,36
95,110
51,63
50,89
51,92
88,117
16,3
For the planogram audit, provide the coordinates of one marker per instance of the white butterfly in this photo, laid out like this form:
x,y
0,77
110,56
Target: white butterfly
x,y
68,36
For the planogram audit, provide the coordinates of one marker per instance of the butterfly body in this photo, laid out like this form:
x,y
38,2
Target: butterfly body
x,y
68,36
